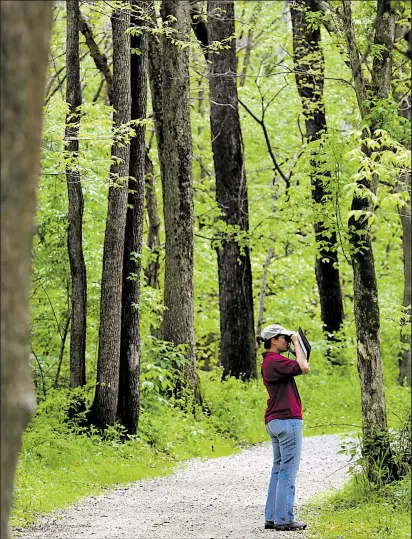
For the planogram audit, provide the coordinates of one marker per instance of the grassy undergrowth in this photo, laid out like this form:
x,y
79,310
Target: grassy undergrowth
x,y
59,466
362,513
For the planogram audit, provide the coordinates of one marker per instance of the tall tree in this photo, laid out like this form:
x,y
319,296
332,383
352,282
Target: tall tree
x,y
177,183
22,83
156,88
152,270
156,91
309,66
366,306
76,202
237,331
129,391
404,110
104,409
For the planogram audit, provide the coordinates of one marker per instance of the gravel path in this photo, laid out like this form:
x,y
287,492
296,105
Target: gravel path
x,y
208,499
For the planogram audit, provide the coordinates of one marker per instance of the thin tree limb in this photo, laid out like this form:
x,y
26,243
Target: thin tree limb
x,y
41,372
99,58
63,344
99,89
286,179
52,308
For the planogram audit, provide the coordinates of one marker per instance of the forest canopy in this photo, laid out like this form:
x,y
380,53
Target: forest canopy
x,y
207,169
279,164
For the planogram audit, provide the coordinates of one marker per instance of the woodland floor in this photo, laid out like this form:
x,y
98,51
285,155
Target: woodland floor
x,y
206,499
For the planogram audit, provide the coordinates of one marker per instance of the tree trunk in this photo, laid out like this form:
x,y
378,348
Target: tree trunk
x,y
237,332
156,90
199,26
262,295
153,241
366,306
76,203
405,358
404,110
129,390
104,407
25,34
176,159
310,75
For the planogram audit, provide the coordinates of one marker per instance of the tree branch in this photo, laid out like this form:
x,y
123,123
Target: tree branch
x,y
99,58
286,179
41,371
99,89
61,355
60,84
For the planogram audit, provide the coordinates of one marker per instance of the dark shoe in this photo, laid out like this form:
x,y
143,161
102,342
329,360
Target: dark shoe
x,y
290,526
269,525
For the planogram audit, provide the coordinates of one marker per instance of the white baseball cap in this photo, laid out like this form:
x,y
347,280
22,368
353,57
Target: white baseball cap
x,y
274,330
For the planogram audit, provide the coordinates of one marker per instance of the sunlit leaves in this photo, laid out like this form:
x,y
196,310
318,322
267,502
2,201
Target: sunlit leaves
x,y
277,219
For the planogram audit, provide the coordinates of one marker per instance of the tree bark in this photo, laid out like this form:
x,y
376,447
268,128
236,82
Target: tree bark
x,y
237,332
156,90
354,57
404,110
405,358
104,407
310,77
129,390
199,26
366,306
177,182
76,202
153,240
23,78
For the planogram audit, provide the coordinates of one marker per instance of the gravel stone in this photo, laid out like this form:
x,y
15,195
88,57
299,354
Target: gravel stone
x,y
207,499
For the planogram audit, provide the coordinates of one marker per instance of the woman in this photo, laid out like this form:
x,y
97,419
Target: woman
x,y
283,419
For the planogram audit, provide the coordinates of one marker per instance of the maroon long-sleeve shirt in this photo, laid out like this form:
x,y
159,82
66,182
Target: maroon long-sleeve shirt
x,y
278,376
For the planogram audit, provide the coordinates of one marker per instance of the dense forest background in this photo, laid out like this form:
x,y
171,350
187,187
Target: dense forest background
x,y
271,184
280,236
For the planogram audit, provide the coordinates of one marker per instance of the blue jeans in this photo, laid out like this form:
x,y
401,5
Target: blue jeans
x,y
286,435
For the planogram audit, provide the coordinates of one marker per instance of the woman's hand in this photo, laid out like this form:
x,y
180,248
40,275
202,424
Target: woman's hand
x,y
300,356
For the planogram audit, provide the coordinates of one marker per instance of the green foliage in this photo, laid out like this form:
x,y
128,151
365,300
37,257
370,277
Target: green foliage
x,y
235,408
63,457
351,513
278,219
363,508
162,365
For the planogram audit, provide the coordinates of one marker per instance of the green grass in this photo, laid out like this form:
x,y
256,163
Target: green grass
x,y
58,467
354,513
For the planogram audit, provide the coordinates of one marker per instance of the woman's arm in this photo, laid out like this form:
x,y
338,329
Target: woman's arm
x,y
300,356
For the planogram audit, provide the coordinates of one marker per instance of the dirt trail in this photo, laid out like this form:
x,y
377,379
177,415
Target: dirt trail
x,y
208,499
